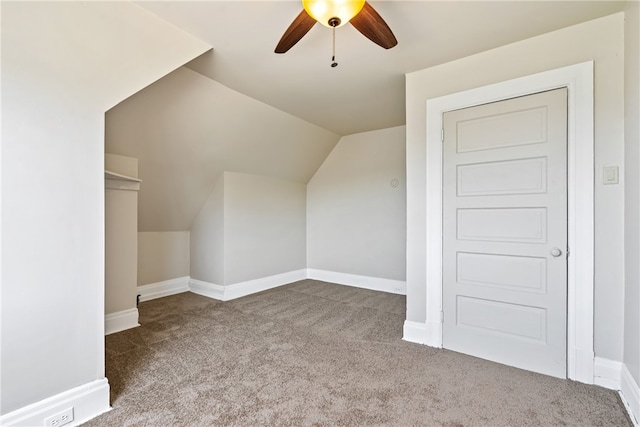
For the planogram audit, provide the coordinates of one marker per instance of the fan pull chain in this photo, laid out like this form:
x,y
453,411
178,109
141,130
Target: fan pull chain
x,y
333,57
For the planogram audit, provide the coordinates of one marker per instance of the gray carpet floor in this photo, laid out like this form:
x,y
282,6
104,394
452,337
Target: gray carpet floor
x,y
315,353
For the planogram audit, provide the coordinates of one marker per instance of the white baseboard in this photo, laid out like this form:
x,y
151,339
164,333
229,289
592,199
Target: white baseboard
x,y
241,289
206,289
616,376
366,282
88,401
630,394
428,333
606,373
414,332
163,289
120,321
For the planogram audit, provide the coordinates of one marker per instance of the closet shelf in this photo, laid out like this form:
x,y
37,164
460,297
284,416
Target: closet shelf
x,y
119,177
117,181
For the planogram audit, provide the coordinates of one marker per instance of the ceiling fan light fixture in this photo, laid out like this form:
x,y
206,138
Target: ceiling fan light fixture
x,y
336,13
324,11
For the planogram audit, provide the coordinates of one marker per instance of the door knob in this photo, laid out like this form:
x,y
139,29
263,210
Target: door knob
x,y
555,252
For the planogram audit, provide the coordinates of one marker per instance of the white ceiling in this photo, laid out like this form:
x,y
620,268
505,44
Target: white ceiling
x,y
366,91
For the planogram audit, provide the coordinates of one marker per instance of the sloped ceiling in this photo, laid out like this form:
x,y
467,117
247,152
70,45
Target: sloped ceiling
x,y
366,91
243,108
75,44
186,129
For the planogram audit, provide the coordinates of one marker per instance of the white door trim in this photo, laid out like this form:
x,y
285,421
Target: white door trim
x,y
578,79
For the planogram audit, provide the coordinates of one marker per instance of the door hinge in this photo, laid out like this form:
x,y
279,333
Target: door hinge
x,y
442,135
568,252
441,316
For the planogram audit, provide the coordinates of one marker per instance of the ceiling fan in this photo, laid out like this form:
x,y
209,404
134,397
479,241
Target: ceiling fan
x,y
334,14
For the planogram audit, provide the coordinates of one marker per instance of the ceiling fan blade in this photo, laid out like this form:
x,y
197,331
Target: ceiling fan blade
x,y
298,28
373,27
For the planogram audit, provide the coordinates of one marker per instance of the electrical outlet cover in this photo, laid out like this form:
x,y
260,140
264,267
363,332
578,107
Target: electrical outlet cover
x,y
60,419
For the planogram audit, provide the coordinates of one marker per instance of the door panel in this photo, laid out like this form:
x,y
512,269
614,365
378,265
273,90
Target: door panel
x,y
527,274
502,225
512,320
504,214
501,130
486,179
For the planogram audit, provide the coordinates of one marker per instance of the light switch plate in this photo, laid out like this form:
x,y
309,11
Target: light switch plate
x,y
610,175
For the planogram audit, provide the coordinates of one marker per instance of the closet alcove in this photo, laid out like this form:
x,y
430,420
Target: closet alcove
x,y
121,242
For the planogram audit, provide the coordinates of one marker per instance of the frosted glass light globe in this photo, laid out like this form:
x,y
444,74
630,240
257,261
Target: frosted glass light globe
x,y
324,10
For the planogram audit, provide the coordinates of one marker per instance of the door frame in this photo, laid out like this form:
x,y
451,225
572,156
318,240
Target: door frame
x,y
578,79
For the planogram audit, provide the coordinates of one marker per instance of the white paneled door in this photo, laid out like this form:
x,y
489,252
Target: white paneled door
x,y
505,232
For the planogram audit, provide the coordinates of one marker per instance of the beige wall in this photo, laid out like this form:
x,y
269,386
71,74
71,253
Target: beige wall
x,y
632,193
600,40
251,227
207,238
356,220
264,227
53,103
122,165
121,250
162,256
